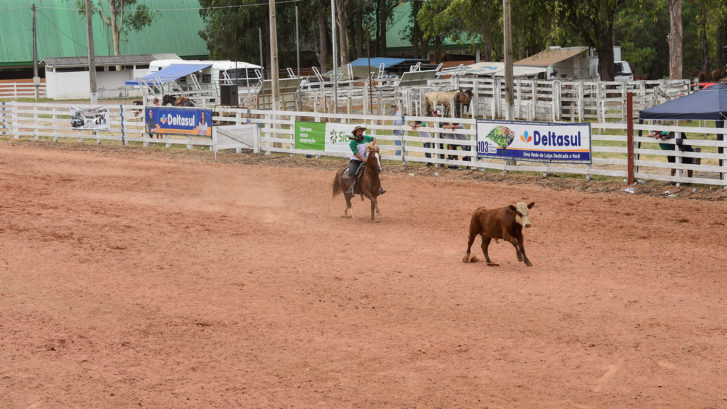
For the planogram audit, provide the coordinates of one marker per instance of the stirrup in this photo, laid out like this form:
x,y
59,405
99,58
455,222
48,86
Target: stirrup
x,y
382,191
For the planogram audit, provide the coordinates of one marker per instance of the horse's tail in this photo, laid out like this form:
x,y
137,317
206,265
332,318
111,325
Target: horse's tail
x,y
336,188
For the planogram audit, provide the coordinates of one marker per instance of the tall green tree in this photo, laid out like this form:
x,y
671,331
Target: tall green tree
x,y
594,20
122,16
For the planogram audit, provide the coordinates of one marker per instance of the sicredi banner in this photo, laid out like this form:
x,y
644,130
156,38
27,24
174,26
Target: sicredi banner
x,y
178,121
337,137
321,136
534,141
310,135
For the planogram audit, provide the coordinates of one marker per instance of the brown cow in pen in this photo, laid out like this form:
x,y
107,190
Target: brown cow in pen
x,y
504,223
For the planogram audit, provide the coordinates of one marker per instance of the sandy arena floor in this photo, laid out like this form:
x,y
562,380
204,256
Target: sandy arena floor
x,y
131,278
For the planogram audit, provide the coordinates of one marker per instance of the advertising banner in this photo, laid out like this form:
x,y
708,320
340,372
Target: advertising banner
x,y
96,118
337,137
168,120
534,141
310,135
321,136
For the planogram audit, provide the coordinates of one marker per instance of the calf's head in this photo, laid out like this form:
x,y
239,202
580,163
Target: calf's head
x,y
521,213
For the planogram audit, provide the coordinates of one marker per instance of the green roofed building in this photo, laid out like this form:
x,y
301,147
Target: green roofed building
x,y
61,32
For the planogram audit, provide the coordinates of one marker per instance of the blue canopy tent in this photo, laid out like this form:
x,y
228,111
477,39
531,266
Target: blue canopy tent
x,y
707,104
170,73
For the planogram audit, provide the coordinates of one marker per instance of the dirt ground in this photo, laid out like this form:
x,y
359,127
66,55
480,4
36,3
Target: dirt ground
x,y
163,279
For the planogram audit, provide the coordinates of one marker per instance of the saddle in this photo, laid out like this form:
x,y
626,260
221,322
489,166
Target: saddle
x,y
357,178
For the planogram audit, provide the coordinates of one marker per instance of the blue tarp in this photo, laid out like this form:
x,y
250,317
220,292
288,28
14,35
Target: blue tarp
x,y
388,62
707,104
171,73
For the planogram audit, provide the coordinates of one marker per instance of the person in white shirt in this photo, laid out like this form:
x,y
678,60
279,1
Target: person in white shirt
x,y
398,121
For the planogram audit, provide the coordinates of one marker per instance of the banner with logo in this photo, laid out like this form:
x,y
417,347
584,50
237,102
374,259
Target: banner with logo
x,y
535,141
337,137
168,120
310,135
321,136
96,118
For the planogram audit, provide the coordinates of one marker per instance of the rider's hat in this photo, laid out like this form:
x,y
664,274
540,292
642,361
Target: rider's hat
x,y
356,129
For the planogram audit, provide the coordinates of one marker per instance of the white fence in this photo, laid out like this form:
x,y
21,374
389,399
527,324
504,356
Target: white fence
x,y
16,90
441,148
549,100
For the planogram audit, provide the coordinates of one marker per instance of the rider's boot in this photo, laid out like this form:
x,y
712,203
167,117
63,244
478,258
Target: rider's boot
x,y
382,190
350,189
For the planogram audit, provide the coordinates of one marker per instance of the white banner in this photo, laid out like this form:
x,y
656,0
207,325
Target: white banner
x,y
535,141
337,137
96,118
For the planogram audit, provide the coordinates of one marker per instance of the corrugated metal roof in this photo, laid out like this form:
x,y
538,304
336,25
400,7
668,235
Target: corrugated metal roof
x,y
551,56
100,60
61,31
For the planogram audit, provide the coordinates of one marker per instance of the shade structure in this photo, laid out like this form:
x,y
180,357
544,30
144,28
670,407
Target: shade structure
x,y
171,73
707,104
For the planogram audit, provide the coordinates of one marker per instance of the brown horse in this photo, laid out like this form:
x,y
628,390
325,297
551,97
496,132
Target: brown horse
x,y
461,99
369,185
177,101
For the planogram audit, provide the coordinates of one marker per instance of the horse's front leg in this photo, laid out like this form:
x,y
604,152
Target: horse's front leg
x,y
374,205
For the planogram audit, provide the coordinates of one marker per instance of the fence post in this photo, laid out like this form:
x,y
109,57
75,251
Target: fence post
x,y
123,130
630,136
16,128
5,124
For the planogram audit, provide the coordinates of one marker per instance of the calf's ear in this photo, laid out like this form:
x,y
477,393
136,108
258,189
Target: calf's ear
x,y
530,206
513,208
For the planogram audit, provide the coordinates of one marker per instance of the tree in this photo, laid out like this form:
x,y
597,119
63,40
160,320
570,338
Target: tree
x,y
123,16
675,39
593,20
436,24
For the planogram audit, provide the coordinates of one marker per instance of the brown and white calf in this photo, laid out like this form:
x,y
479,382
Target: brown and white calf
x,y
503,223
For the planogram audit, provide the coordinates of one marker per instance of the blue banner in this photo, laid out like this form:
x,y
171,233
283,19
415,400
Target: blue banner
x,y
184,121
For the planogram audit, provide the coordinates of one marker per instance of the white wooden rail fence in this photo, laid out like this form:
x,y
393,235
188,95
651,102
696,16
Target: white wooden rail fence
x,y
20,90
548,100
609,147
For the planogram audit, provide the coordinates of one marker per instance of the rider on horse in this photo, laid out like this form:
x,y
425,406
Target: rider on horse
x,y
358,147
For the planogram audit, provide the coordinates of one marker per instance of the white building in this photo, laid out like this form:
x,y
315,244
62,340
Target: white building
x,y
67,77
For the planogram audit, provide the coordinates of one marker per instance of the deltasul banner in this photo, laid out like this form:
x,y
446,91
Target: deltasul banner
x,y
178,121
534,141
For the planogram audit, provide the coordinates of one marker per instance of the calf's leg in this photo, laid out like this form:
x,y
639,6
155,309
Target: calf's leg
x,y
522,250
470,240
485,245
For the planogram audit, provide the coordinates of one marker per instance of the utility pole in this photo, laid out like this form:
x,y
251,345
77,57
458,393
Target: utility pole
x,y
273,54
91,57
260,43
297,42
335,56
36,79
371,77
507,26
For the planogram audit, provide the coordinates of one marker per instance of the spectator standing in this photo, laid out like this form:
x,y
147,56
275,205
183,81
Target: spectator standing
x,y
460,137
398,121
424,134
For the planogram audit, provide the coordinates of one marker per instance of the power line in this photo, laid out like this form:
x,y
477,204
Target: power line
x,y
61,31
181,9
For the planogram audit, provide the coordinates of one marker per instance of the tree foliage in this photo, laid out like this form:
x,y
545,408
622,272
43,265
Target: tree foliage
x,y
122,16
